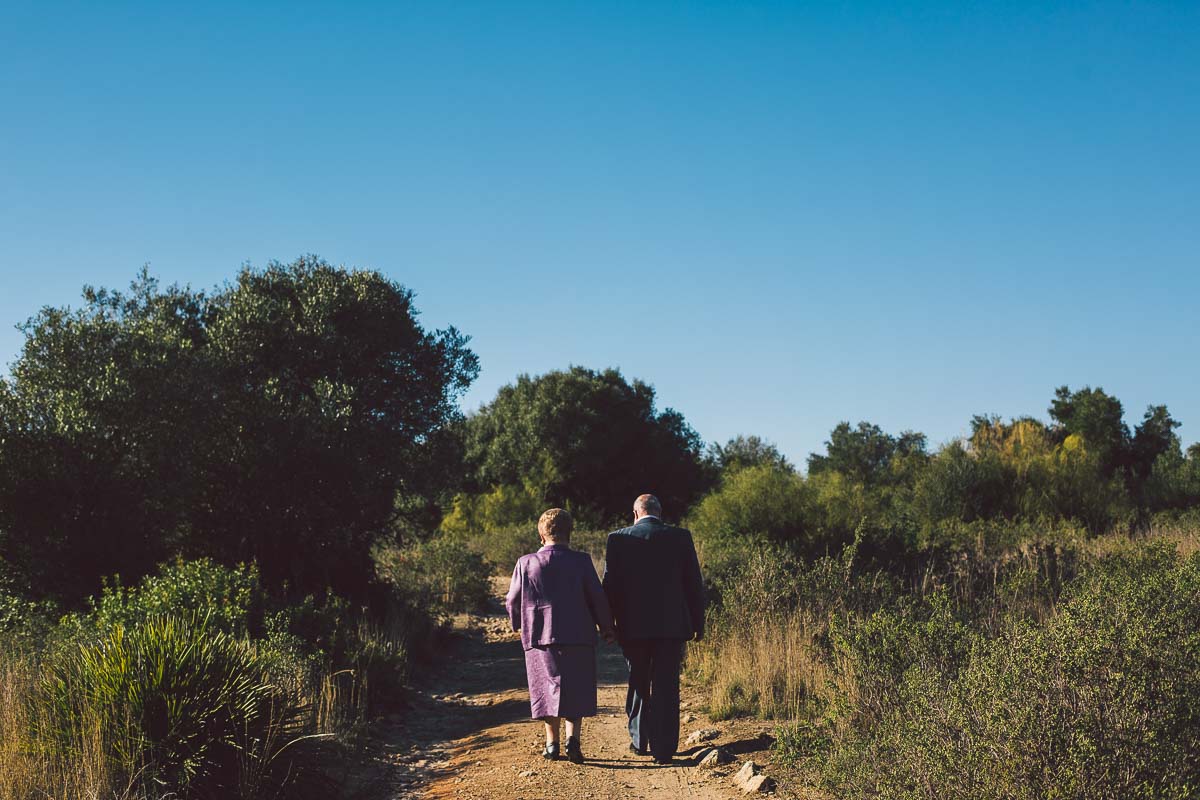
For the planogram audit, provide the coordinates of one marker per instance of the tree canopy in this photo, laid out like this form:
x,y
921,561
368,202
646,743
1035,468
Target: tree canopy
x,y
585,439
275,420
745,451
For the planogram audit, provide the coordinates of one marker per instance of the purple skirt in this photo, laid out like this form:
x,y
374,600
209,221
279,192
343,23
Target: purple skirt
x,y
562,680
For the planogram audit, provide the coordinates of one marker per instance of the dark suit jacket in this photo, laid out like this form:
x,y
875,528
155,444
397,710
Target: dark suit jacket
x,y
652,579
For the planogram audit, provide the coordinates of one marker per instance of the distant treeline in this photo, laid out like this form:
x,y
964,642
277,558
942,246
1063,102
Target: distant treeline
x,y
300,416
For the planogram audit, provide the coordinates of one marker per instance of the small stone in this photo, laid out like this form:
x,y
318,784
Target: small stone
x,y
689,717
758,784
526,774
702,735
715,756
748,771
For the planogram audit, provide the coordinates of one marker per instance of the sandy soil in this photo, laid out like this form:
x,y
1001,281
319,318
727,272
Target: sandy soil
x,y
467,734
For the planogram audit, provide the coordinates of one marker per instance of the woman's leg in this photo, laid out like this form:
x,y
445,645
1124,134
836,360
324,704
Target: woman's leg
x,y
552,729
573,726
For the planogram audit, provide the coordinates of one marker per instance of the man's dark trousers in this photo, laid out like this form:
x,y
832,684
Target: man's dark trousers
x,y
652,701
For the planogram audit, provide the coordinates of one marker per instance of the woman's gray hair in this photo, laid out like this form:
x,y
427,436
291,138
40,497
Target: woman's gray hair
x,y
556,524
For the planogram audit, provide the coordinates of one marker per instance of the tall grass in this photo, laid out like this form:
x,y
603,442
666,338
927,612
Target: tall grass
x,y
170,708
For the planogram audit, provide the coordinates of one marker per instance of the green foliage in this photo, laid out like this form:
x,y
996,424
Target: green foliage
x,y
1017,471
866,454
442,572
882,647
1174,481
745,451
753,507
502,507
1097,418
229,598
1097,701
178,701
23,623
798,741
587,441
276,420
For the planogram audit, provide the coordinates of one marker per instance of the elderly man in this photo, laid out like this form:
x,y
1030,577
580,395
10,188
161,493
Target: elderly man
x,y
652,579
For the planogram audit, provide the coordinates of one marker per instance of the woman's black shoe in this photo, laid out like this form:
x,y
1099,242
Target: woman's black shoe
x,y
637,751
551,752
574,754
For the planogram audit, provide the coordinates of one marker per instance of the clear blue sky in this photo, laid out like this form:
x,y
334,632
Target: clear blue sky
x,y
782,215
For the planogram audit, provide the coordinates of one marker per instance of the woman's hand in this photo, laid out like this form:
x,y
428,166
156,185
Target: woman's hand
x,y
609,635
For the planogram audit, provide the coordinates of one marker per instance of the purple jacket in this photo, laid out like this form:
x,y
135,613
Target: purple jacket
x,y
555,598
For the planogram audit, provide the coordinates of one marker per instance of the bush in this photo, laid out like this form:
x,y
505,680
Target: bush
x,y
148,703
755,506
442,571
179,703
230,599
1100,701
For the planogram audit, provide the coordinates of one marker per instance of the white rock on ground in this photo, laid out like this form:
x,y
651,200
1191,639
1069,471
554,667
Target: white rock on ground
x,y
758,784
702,735
715,756
750,780
748,771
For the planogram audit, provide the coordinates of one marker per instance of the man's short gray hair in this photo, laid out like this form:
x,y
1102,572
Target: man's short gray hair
x,y
648,504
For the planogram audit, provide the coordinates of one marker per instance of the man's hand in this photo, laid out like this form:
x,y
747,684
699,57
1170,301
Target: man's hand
x,y
609,635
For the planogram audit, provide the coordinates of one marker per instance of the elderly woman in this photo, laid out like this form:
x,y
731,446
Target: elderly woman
x,y
556,602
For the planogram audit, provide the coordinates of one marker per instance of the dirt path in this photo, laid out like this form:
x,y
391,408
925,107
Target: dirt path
x,y
468,734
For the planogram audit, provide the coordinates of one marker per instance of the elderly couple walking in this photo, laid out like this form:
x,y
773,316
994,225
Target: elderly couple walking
x,y
651,601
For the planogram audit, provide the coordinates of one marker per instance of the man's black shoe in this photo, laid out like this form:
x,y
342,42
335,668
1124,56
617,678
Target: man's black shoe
x,y
663,761
637,751
574,753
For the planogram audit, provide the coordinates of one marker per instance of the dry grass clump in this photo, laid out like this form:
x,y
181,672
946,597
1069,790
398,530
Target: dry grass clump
x,y
768,667
28,768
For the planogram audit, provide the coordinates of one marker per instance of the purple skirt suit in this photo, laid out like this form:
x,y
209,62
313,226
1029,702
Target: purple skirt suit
x,y
556,602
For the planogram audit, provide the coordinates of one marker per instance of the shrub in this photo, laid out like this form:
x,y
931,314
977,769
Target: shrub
x,y
230,599
442,571
178,701
754,506
1099,701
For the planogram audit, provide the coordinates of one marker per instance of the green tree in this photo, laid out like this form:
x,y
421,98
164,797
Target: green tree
x,y
761,505
275,420
1153,438
865,454
745,451
1098,418
588,440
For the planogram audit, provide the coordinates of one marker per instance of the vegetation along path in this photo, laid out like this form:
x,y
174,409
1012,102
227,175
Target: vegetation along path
x,y
468,734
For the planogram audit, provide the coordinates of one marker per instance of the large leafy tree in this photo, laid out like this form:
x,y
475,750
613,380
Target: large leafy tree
x,y
586,439
275,419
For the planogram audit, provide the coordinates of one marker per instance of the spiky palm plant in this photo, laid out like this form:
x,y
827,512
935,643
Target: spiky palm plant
x,y
180,703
